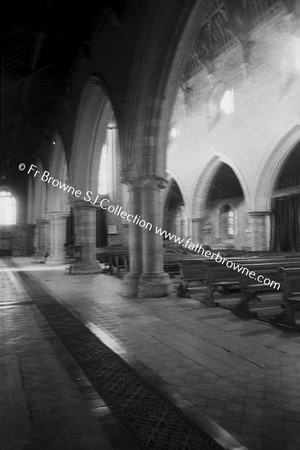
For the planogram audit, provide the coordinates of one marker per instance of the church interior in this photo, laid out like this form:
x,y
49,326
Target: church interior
x,y
150,225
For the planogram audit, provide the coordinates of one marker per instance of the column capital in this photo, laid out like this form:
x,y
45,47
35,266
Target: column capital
x,y
147,182
56,214
80,204
198,219
259,213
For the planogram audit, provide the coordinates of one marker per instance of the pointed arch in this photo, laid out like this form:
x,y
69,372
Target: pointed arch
x,y
147,128
39,188
30,198
57,199
270,169
174,209
205,179
172,176
94,113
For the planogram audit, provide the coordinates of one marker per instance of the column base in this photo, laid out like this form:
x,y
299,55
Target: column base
x,y
130,285
80,268
55,261
154,285
37,257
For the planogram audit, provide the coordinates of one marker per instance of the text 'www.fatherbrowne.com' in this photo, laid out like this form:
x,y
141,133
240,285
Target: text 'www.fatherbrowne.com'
x,y
136,219
198,248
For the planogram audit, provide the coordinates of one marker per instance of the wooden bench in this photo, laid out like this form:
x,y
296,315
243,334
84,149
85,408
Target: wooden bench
x,y
251,288
195,269
291,296
217,275
115,259
191,270
172,255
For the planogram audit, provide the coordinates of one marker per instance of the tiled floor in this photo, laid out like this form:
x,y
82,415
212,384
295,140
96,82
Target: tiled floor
x,y
243,374
46,400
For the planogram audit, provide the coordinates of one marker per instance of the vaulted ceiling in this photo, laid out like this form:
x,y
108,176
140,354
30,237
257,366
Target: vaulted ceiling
x,y
40,41
226,23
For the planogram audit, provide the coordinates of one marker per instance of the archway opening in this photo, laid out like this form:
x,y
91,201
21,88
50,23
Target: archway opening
x,y
109,229
225,215
286,205
108,168
174,212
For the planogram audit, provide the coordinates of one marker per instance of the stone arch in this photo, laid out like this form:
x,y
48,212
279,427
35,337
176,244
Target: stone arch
x,y
30,198
147,129
205,215
40,194
205,179
175,213
57,199
270,169
94,112
171,176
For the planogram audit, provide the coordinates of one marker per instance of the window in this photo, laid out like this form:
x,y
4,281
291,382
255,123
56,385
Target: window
x,y
230,223
220,103
7,208
227,101
107,169
227,225
175,132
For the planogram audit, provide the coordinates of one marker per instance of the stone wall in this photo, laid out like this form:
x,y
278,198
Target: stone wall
x,y
21,238
266,108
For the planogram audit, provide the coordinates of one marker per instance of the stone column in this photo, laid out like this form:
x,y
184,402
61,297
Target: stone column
x,y
131,280
37,238
261,229
45,236
197,230
154,282
57,237
85,236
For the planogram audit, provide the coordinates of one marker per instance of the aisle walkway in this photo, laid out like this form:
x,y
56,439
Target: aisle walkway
x,y
242,374
46,400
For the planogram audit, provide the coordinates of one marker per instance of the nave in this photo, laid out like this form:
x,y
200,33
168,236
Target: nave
x,y
236,380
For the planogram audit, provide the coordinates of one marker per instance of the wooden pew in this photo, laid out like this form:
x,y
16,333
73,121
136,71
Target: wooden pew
x,y
172,255
191,270
217,275
116,258
291,297
251,288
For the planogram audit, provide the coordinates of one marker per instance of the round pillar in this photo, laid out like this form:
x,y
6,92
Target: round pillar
x,y
154,282
57,238
261,230
37,238
131,280
85,237
45,238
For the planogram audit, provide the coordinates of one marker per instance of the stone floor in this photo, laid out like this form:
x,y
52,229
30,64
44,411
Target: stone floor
x,y
46,400
244,375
